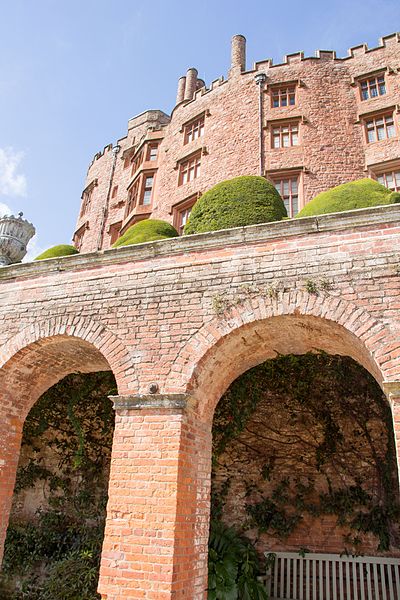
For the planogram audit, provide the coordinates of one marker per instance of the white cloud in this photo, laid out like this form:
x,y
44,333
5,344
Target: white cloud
x,y
5,210
34,249
12,183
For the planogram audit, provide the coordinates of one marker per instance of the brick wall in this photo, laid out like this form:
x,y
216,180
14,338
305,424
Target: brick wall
x,y
149,313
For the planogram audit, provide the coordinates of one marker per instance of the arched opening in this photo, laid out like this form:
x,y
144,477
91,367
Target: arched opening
x,y
304,459
54,397
262,498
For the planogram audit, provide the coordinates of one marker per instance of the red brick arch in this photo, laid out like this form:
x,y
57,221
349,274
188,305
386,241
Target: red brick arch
x,y
103,348
293,322
34,360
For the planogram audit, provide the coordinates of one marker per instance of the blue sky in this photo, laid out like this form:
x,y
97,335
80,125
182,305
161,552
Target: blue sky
x,y
73,72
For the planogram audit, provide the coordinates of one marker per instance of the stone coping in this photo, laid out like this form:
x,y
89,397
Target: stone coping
x,y
175,402
252,234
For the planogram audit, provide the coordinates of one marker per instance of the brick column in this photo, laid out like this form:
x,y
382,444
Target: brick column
x,y
156,536
11,424
392,391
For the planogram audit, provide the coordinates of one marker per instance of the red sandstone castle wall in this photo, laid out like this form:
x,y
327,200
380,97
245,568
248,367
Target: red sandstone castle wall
x,y
329,112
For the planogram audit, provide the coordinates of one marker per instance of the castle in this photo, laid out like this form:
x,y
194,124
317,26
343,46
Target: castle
x,y
178,320
307,124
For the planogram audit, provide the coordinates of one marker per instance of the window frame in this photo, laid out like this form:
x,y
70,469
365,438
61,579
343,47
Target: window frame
x,y
114,231
382,170
87,196
292,174
183,207
367,80
187,164
280,125
144,189
373,118
150,147
79,234
278,88
190,127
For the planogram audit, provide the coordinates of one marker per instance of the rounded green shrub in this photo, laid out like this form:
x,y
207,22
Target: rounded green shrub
x,y
362,193
148,230
237,202
60,250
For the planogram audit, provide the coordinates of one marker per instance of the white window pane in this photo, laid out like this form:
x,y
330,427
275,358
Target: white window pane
x,y
397,178
390,131
285,140
285,187
381,179
294,186
295,139
381,133
371,135
295,205
389,180
147,197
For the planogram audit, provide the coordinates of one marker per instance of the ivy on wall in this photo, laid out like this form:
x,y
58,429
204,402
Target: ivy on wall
x,y
65,458
309,434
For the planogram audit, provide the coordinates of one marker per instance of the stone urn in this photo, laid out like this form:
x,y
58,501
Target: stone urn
x,y
15,234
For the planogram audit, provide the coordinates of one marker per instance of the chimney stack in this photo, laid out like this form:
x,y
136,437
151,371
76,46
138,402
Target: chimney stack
x,y
238,54
191,83
181,90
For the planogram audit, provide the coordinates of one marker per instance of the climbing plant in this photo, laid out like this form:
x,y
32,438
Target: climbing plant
x,y
54,553
309,434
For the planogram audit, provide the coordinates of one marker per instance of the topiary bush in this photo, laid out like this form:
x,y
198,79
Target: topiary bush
x,y
60,250
237,202
362,193
148,230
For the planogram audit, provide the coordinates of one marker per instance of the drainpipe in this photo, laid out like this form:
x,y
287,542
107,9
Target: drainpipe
x,y
260,79
115,151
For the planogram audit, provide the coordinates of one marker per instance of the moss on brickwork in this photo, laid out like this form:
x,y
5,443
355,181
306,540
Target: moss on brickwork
x,y
61,250
363,193
237,202
148,230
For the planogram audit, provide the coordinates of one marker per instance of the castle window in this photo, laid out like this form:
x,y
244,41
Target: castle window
x,y
147,189
190,168
87,196
288,187
194,129
78,235
380,127
114,232
283,96
181,212
152,152
390,179
372,87
136,162
132,198
285,135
